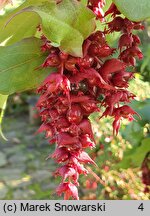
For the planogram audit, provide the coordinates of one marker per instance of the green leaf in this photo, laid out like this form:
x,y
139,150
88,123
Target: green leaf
x,y
3,100
135,10
133,133
140,153
15,25
66,24
18,65
21,26
135,156
143,108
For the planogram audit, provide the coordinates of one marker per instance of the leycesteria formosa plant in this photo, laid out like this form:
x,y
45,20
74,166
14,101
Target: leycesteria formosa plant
x,y
61,51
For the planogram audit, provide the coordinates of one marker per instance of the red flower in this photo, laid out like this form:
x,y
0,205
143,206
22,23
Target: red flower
x,y
86,141
66,172
125,40
65,139
117,24
112,10
84,158
51,61
111,66
60,154
96,6
74,114
128,55
69,190
121,79
125,112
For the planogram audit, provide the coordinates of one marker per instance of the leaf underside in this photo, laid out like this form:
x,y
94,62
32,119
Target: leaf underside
x,y
18,65
135,10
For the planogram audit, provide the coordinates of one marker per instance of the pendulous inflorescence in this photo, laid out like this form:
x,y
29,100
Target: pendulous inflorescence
x,y
80,86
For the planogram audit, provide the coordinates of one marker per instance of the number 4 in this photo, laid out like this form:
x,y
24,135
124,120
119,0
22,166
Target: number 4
x,y
141,207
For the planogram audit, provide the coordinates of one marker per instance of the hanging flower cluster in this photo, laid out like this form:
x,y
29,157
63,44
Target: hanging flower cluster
x,y
81,86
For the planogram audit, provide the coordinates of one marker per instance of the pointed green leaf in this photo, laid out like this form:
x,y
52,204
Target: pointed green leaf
x,y
15,25
17,66
136,155
135,10
140,153
66,24
19,27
